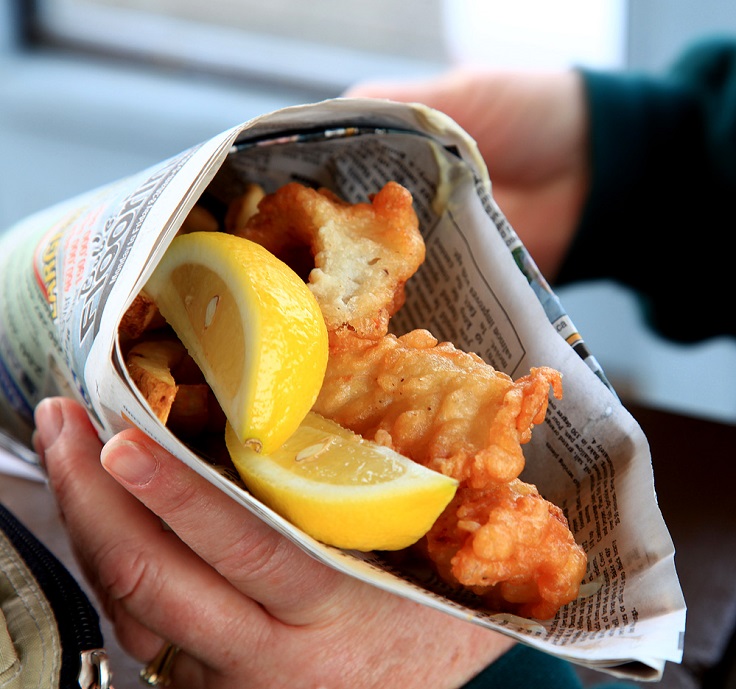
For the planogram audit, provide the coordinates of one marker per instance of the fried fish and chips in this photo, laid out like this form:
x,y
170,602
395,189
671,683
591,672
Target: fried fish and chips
x,y
510,546
443,408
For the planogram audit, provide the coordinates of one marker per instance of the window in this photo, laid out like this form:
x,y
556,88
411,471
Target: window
x,y
326,45
348,40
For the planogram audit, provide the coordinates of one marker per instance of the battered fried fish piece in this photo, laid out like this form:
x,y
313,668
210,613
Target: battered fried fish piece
x,y
510,546
442,407
362,254
452,412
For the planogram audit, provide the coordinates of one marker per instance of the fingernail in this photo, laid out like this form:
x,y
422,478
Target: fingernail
x,y
49,422
129,462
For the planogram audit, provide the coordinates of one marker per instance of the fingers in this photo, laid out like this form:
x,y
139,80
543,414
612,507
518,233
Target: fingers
x,y
143,571
435,92
161,589
291,585
260,563
393,90
57,423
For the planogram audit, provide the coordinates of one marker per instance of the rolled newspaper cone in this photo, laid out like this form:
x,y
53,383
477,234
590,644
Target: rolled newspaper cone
x,y
69,273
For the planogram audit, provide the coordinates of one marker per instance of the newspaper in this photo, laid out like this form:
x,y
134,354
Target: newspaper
x,y
68,274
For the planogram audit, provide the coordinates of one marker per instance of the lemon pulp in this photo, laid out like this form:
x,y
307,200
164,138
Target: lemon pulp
x,y
343,490
251,325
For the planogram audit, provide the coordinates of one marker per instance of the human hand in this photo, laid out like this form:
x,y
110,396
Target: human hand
x,y
246,606
532,131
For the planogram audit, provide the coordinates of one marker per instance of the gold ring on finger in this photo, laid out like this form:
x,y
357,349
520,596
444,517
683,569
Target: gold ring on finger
x,y
158,672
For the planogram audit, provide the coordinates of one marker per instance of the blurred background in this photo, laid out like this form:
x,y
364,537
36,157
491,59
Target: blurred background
x,y
92,90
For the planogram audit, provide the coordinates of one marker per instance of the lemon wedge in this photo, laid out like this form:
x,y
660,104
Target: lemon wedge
x,y
251,325
343,490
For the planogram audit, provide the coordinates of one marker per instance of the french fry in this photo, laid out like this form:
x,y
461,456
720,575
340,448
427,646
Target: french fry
x,y
149,364
242,208
142,315
199,220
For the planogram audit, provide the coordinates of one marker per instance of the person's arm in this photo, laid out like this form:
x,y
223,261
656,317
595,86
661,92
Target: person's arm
x,y
663,179
638,170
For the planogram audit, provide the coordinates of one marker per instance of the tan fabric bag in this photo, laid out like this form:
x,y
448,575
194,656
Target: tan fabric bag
x,y
49,631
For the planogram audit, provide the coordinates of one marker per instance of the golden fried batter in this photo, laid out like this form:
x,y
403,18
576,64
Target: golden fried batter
x,y
149,364
362,253
510,546
442,407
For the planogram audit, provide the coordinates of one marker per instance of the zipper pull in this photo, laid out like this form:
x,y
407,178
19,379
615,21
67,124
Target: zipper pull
x,y
95,671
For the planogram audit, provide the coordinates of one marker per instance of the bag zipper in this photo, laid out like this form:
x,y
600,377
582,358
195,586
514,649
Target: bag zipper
x,y
84,662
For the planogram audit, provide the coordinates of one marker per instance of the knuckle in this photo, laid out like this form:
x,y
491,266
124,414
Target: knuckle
x,y
127,575
63,477
61,482
176,498
255,557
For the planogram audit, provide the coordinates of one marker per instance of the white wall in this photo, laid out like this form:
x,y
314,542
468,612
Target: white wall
x,y
657,30
7,33
533,34
694,379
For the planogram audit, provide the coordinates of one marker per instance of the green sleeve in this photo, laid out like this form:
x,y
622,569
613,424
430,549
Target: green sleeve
x,y
663,186
523,667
